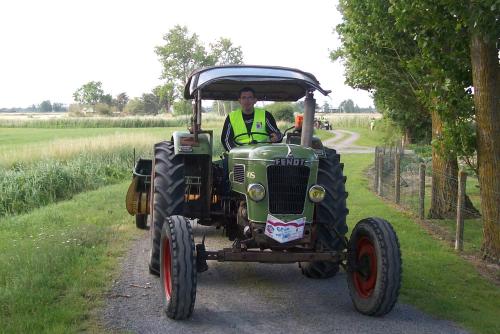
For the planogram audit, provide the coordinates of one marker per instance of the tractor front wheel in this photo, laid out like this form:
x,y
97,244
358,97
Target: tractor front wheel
x,y
374,267
177,268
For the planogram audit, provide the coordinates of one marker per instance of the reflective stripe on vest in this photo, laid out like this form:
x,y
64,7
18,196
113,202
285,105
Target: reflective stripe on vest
x,y
258,125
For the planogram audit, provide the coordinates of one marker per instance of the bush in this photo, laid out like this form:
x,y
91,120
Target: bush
x,y
282,111
182,107
134,107
75,110
103,109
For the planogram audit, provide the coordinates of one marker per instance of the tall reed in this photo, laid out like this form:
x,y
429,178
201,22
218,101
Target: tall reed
x,y
28,186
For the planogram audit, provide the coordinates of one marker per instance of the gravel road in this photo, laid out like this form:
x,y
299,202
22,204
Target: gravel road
x,y
253,297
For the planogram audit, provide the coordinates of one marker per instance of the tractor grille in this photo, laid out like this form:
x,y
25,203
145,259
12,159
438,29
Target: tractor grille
x,y
287,188
239,173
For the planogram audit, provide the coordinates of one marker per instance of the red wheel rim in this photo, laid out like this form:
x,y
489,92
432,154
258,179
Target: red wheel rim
x,y
167,269
365,277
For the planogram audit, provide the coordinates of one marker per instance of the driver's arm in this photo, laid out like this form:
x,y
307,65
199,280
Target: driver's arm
x,y
227,135
272,128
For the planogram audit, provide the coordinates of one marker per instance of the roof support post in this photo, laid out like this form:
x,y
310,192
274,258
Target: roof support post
x,y
308,122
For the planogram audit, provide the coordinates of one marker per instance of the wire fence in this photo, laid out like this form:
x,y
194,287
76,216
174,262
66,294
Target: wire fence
x,y
406,179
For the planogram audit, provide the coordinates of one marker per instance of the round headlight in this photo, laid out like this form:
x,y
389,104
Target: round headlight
x,y
256,191
317,193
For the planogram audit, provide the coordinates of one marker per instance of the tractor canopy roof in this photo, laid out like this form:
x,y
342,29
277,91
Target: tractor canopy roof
x,y
271,83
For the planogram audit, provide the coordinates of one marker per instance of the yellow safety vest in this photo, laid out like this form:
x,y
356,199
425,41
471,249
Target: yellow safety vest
x,y
258,125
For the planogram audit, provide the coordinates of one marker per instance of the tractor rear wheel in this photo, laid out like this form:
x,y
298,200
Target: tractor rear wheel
x,y
167,195
177,268
374,267
330,216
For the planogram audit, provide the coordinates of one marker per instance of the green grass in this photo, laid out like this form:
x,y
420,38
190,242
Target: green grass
x,y
11,138
26,187
367,137
95,122
435,278
57,262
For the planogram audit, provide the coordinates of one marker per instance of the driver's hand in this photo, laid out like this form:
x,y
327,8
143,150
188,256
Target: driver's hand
x,y
274,137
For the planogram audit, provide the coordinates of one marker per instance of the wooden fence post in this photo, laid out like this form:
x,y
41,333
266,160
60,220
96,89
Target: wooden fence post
x,y
397,177
380,172
459,235
421,196
375,183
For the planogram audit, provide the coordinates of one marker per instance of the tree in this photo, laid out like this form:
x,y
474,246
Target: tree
x,y
89,93
181,54
57,107
467,51
347,106
151,105
481,19
165,94
121,101
224,53
282,111
134,107
106,99
45,106
388,49
326,107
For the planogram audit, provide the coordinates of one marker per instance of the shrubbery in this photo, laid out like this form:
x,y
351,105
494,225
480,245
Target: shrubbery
x,y
282,111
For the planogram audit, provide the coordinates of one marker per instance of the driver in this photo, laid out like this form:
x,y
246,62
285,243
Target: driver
x,y
248,119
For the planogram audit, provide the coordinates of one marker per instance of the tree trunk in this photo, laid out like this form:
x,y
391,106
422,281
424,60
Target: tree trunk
x,y
444,175
444,179
486,80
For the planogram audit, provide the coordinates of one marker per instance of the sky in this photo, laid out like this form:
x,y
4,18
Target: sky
x,y
50,48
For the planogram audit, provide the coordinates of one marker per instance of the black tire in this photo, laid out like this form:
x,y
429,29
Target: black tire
x,y
168,195
177,268
374,267
141,221
330,215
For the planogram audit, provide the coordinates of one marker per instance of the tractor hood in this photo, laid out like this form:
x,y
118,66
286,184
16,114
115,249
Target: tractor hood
x,y
281,154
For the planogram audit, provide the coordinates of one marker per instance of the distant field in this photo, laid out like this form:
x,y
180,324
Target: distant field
x,y
32,115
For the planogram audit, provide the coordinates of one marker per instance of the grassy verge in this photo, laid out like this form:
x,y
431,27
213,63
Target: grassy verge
x,y
56,262
435,278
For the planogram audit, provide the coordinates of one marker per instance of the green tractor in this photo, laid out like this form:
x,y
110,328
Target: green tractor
x,y
278,202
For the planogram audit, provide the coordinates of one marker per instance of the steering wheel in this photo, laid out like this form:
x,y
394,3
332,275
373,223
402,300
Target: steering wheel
x,y
238,143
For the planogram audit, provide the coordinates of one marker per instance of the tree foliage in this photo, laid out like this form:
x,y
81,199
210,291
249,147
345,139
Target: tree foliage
x,y
282,111
151,103
135,107
89,93
417,57
165,94
223,52
182,53
46,106
121,101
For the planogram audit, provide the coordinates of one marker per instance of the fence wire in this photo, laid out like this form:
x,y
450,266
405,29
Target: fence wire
x,y
410,183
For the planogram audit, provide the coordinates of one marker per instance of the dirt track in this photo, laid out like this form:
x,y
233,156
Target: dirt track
x,y
252,298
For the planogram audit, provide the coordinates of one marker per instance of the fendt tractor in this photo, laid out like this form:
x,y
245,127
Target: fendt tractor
x,y
278,202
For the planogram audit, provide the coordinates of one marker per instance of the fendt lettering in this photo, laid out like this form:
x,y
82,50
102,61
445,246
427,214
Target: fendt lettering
x,y
289,161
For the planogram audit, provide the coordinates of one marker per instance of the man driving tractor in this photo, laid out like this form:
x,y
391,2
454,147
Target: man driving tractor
x,y
254,121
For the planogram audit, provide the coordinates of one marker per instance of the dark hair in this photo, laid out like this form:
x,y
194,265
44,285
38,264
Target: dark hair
x,y
246,89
